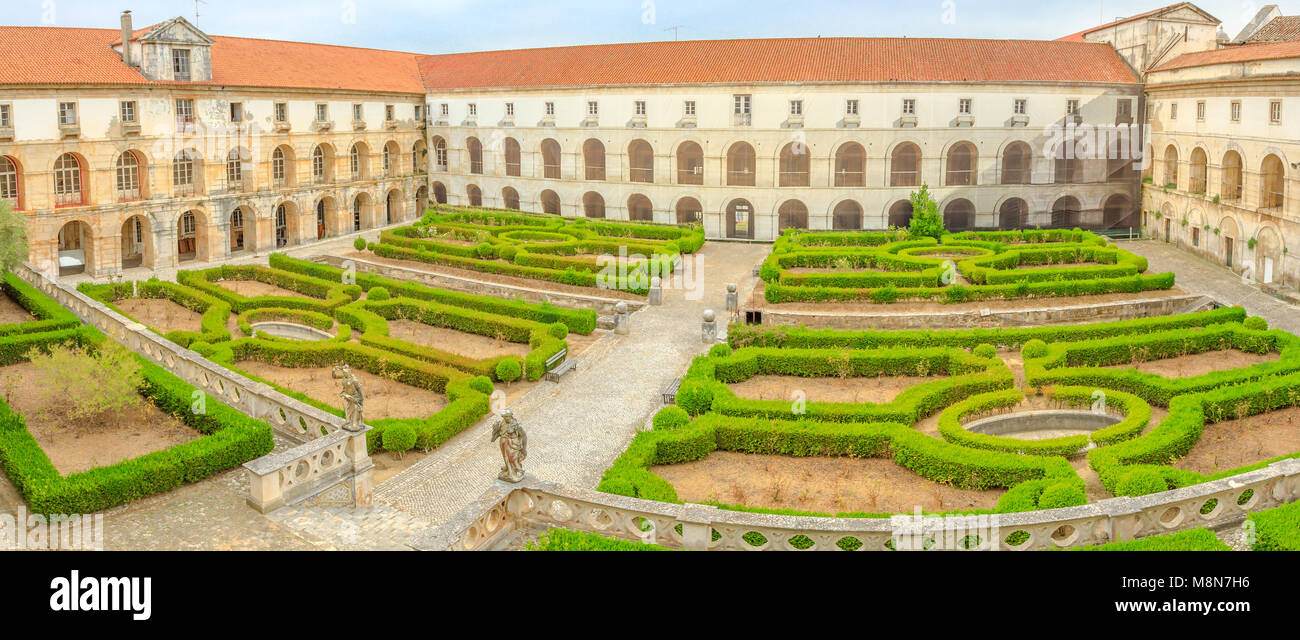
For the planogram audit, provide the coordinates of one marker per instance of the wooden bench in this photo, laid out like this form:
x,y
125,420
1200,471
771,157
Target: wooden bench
x,y
670,394
554,372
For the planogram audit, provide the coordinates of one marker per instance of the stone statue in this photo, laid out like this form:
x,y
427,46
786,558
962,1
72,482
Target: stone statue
x,y
354,399
514,446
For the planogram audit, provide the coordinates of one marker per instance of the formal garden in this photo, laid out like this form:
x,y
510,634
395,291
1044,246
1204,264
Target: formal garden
x,y
539,250
867,424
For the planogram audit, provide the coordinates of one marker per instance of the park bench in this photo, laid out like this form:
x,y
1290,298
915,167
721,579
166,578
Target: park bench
x,y
670,394
554,372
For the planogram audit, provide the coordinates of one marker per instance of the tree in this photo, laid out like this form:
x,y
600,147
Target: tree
x,y
926,220
13,237
90,388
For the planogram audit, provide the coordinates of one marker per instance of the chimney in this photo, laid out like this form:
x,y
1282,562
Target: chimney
x,y
126,38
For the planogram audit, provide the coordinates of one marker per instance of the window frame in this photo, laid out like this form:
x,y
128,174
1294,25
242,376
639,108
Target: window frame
x,y
66,107
178,56
909,106
125,106
689,108
280,112
1275,112
1020,106
965,106
852,107
322,112
6,114
237,106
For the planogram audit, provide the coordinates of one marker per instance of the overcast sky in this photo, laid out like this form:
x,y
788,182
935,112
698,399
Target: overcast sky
x,y
444,26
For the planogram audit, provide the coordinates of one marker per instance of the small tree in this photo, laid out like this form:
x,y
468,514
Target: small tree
x,y
13,237
926,220
90,388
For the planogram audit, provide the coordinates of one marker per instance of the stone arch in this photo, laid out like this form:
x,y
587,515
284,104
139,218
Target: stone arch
x,y
690,162
850,165
689,210
740,218
593,205
193,236
899,214
847,216
439,193
792,214
1013,213
510,198
640,209
593,159
138,243
959,215
284,224
961,164
1268,254
794,165
474,195
393,206
905,161
76,248
325,217
71,180
241,229
640,161
550,202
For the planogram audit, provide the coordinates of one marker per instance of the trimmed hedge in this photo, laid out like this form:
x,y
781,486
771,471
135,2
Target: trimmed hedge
x,y
1277,529
321,295
215,311
1190,540
568,540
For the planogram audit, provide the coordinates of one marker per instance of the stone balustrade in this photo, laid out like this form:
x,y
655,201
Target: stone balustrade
x,y
334,468
534,504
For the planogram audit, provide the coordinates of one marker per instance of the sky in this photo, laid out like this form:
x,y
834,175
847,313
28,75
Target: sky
x,y
449,26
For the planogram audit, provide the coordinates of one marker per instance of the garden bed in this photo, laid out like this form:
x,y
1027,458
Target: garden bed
x,y
255,288
385,398
457,342
1200,363
13,313
1236,443
161,315
880,390
512,281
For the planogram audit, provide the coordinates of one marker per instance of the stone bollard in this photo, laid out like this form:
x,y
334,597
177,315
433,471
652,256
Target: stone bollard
x,y
622,320
656,292
733,299
709,332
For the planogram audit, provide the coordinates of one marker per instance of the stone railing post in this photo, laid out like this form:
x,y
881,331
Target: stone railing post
x,y
709,329
697,526
622,319
656,292
363,470
733,298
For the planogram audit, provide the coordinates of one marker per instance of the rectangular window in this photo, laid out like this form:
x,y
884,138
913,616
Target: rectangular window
x,y
181,65
744,105
851,107
322,112
550,108
184,111
1071,107
473,110
6,115
1236,111
390,113
796,107
1173,111
358,113
964,106
128,111
639,107
236,112
1200,111
419,112
1021,107
593,108
690,108
281,112
67,114
1124,109
909,106
510,109
1275,112
446,109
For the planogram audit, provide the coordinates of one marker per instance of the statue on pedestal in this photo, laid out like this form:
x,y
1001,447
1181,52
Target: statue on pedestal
x,y
514,446
354,398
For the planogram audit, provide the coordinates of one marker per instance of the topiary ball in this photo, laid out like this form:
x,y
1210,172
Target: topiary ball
x,y
509,370
720,351
671,418
1255,323
399,437
378,294
359,244
985,351
1061,495
1034,349
484,250
482,384
695,397
507,253
558,330
1141,482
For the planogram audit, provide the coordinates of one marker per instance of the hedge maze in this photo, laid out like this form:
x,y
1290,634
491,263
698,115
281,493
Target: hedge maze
x,y
1068,366
355,310
894,266
546,248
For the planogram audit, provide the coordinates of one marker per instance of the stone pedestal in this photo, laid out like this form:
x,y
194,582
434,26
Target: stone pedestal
x,y
622,319
733,298
656,292
709,329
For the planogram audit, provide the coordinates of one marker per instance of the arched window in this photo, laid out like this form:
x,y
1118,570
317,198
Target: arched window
x,y
9,182
1118,212
419,157
67,181
281,226
475,155
321,208
961,165
593,158
851,166
514,161
900,214
1017,164
1171,167
1013,214
792,215
235,170
905,166
550,202
1200,171
1232,166
689,211
390,158
741,165
740,220
795,165
1068,170
357,205
187,245
237,230
277,167
510,198
641,161
319,165
475,195
690,163
847,216
440,193
639,209
439,154
550,159
128,177
959,215
1066,213
357,158
593,205
1272,192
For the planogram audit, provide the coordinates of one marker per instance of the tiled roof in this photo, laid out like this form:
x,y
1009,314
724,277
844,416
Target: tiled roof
x,y
1233,54
780,60
1280,29
56,55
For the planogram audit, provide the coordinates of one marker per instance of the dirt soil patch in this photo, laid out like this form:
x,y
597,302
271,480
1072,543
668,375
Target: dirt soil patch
x,y
1236,443
73,449
470,345
384,398
256,288
757,303
823,485
1201,363
13,313
526,283
161,314
853,390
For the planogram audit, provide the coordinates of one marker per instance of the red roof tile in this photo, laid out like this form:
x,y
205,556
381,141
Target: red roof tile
x,y
778,61
1235,54
59,55
1280,29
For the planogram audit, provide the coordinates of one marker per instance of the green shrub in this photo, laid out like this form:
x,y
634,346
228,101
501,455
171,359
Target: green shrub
x,y
1255,323
1141,482
568,540
720,351
399,438
509,370
378,294
482,384
1190,540
558,330
359,244
1034,349
985,351
1277,529
671,418
1064,494
695,396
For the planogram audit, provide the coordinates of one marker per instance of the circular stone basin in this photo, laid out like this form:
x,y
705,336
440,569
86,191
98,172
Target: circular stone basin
x,y
292,331
1043,425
